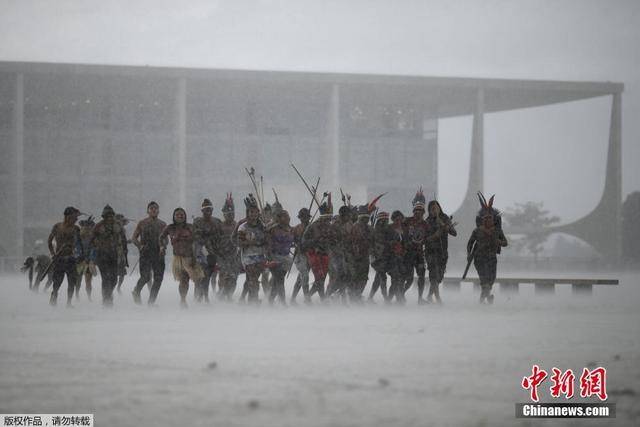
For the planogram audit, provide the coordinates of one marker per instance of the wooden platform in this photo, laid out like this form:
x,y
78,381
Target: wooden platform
x,y
542,285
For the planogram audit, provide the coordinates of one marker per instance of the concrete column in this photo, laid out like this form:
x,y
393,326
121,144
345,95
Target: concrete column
x,y
510,287
544,288
434,162
181,110
451,286
476,286
476,167
580,289
614,172
334,135
18,139
476,161
602,227
466,213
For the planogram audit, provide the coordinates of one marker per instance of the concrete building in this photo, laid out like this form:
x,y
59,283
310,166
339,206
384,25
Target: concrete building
x,y
86,135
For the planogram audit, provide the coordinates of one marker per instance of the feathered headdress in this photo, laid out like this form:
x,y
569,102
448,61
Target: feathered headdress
x,y
487,209
346,198
363,210
382,215
89,222
277,207
228,204
326,208
418,200
250,202
372,204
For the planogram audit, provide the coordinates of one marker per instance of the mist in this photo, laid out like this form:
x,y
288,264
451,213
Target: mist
x,y
124,103
458,364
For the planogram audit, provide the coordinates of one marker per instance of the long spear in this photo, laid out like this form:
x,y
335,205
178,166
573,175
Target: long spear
x,y
255,186
313,196
305,184
133,269
324,196
295,252
374,220
54,260
472,255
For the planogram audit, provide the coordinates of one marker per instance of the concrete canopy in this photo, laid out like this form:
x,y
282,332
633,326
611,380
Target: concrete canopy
x,y
448,96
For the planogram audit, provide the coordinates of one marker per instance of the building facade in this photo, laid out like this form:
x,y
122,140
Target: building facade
x,y
87,135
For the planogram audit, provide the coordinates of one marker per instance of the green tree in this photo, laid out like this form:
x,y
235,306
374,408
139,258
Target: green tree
x,y
533,222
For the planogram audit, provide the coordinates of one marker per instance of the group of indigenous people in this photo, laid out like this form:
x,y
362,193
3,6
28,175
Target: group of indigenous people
x,y
362,237
76,251
337,249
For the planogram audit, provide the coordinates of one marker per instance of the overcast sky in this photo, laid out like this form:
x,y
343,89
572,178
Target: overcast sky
x,y
553,154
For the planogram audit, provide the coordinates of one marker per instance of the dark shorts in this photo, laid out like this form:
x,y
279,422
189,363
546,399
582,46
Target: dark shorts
x,y
416,260
437,265
359,269
151,263
65,265
486,268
